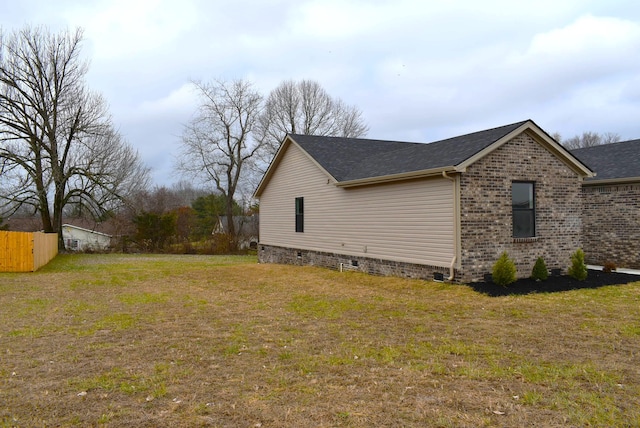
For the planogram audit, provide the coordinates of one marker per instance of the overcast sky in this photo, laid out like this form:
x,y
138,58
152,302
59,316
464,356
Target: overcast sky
x,y
419,70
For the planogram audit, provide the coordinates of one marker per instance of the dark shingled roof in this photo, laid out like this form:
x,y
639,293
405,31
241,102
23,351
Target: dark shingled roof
x,y
354,158
612,161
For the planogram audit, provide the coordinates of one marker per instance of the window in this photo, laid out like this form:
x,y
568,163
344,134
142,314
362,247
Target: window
x,y
299,214
524,209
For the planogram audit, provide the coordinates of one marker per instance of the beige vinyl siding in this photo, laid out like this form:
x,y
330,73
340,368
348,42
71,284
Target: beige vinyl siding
x,y
409,221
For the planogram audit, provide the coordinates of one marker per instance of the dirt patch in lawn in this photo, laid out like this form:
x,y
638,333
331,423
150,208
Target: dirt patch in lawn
x,y
553,284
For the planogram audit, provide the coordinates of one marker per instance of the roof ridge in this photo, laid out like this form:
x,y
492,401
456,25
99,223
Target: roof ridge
x,y
483,131
360,158
293,135
635,140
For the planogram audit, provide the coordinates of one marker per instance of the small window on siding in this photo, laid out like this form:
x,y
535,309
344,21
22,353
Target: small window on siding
x,y
299,214
523,209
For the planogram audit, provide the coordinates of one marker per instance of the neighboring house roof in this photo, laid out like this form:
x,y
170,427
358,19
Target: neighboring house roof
x,y
355,161
85,230
616,162
34,223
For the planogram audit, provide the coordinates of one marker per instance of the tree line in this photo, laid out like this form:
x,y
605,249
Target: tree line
x,y
181,219
60,152
587,139
236,132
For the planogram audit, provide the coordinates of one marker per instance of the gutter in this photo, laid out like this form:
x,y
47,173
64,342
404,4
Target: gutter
x,y
397,177
607,181
452,271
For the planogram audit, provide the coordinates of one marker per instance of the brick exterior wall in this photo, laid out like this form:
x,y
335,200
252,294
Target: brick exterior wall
x,y
293,256
611,224
486,217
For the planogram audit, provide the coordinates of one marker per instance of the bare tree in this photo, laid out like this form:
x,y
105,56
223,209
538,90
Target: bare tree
x,y
610,137
216,144
158,200
58,145
304,107
186,192
588,139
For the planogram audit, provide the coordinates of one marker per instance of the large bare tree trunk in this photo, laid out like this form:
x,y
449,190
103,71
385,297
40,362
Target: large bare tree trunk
x,y
57,142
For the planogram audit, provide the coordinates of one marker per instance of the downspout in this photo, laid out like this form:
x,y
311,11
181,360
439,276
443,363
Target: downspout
x,y
452,271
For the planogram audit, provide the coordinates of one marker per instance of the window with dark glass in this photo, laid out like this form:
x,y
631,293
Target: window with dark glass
x,y
524,209
299,214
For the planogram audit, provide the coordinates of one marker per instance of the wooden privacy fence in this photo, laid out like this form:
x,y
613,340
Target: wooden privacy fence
x,y
26,251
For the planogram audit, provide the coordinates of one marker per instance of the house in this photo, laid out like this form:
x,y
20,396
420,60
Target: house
x,y
611,204
78,234
80,239
441,210
246,228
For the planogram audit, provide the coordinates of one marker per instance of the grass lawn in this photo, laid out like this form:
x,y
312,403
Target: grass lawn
x,y
127,340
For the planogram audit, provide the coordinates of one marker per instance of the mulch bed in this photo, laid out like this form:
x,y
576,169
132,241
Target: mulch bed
x,y
558,283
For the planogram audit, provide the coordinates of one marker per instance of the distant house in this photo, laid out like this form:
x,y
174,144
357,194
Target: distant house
x,y
78,234
246,228
80,239
611,204
445,209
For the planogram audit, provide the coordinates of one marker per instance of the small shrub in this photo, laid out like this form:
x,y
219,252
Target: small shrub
x,y
539,272
504,270
609,267
578,269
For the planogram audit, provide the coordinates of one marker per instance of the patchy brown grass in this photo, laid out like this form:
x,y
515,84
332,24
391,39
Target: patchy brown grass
x,y
113,340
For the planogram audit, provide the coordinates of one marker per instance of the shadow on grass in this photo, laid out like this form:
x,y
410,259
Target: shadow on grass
x,y
553,284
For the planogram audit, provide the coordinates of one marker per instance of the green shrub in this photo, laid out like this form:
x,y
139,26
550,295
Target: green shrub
x,y
578,269
504,270
539,272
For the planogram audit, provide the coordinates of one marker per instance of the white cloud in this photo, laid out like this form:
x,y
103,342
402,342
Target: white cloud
x,y
418,70
180,102
588,34
336,19
588,48
588,60
124,28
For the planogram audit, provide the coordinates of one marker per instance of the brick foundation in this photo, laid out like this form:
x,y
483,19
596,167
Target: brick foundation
x,y
293,256
611,224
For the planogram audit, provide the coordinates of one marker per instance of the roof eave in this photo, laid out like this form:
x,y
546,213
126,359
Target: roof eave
x,y
272,166
398,177
276,161
607,181
86,230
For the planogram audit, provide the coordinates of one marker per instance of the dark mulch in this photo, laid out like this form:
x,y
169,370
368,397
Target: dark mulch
x,y
558,283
